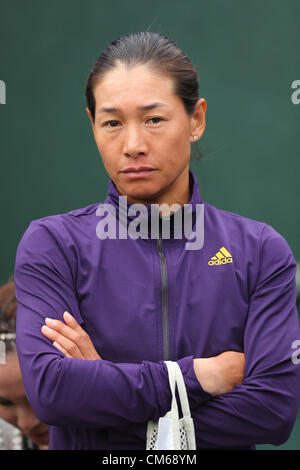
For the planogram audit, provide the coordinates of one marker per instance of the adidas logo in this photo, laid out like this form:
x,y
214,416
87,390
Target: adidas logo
x,y
222,257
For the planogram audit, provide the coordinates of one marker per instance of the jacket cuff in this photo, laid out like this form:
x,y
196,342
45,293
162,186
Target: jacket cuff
x,y
195,392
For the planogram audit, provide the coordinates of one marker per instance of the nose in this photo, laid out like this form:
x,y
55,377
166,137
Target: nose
x,y
134,142
27,419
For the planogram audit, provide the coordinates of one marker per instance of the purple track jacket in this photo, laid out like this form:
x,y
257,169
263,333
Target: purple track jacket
x,y
146,300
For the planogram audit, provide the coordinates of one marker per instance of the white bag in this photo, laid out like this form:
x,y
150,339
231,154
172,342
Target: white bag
x,y
172,433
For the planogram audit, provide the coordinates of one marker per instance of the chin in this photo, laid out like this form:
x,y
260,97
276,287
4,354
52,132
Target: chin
x,y
141,191
143,196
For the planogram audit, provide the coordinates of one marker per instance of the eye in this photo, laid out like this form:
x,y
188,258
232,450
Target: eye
x,y
4,402
111,124
156,120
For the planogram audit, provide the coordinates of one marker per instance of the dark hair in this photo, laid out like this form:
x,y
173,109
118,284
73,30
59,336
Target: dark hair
x,y
154,49
8,312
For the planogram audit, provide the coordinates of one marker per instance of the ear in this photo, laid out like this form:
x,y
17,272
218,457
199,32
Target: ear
x,y
198,121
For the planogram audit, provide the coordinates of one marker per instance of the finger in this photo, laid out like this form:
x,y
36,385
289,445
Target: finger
x,y
66,343
84,341
73,331
60,348
70,320
59,326
64,330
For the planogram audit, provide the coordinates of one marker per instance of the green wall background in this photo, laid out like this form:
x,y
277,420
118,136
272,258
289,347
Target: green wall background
x,y
247,56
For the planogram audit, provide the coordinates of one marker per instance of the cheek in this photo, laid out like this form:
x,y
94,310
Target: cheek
x,y
179,137
109,154
109,164
178,152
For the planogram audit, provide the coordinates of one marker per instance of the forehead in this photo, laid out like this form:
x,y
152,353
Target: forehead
x,y
134,85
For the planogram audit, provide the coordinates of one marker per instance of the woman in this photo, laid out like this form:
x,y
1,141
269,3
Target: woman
x,y
101,306
14,406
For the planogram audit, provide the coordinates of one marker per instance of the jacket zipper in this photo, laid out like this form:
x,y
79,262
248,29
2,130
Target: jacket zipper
x,y
164,292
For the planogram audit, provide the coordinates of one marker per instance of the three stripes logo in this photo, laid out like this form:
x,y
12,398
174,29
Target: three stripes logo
x,y
222,257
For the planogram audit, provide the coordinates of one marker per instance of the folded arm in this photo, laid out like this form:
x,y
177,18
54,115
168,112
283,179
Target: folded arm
x,y
263,408
69,391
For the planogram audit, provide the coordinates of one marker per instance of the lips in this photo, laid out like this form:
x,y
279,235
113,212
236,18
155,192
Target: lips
x,y
139,169
138,172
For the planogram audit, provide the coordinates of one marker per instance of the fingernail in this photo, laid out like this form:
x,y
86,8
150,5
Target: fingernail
x,y
45,329
50,322
68,316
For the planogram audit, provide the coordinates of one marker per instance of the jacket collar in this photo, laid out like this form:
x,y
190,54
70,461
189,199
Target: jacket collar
x,y
195,199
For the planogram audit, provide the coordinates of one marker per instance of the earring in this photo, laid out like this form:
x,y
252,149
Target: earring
x,y
195,137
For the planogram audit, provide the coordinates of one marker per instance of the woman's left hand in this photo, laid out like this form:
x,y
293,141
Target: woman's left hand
x,y
70,338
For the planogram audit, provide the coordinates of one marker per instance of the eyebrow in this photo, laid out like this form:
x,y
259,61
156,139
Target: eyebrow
x,y
148,107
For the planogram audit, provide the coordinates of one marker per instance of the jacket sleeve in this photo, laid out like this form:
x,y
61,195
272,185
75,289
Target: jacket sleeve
x,y
263,409
68,391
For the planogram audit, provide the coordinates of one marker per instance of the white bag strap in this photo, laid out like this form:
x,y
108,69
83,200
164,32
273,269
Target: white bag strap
x,y
184,402
172,383
176,378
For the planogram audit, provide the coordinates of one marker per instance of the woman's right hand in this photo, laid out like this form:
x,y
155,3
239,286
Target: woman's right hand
x,y
219,374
